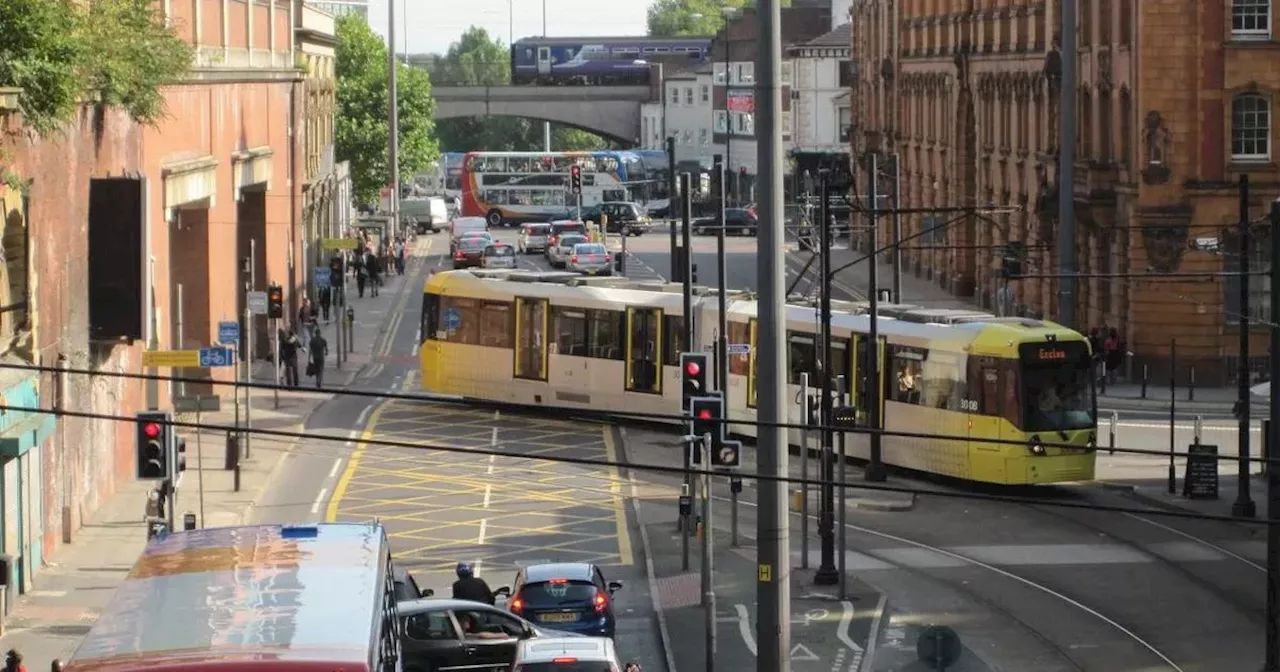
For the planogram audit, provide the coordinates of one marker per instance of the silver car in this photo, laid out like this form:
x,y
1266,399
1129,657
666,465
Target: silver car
x,y
591,258
533,238
558,254
585,654
499,256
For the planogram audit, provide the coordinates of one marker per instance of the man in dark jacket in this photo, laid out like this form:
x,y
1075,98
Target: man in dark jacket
x,y
319,350
373,266
289,344
471,587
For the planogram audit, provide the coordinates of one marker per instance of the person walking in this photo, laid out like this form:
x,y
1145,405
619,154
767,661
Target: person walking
x,y
400,257
362,275
326,302
13,662
306,320
319,351
289,346
374,266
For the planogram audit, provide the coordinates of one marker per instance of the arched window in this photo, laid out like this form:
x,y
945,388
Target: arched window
x,y
1126,127
1250,128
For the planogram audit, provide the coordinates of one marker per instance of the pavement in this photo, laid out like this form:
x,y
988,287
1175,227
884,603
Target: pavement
x,y
79,579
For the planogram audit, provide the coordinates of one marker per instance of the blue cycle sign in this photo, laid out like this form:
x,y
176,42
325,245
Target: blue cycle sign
x,y
452,319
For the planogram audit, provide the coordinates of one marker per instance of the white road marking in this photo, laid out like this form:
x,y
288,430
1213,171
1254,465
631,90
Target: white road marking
x,y
846,619
488,493
315,506
870,654
415,347
744,627
802,652
337,464
484,525
364,415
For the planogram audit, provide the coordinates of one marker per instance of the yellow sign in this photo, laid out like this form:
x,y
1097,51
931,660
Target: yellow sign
x,y
766,573
338,243
176,359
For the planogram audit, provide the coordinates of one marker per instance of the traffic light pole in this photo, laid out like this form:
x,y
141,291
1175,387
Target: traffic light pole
x,y
686,198
275,356
248,355
671,200
722,341
875,466
826,574
1273,474
708,587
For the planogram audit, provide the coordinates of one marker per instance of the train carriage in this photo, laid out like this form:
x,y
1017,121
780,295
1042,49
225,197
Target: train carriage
x,y
614,345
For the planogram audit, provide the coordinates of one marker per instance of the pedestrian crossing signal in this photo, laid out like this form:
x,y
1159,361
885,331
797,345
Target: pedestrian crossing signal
x,y
275,302
152,448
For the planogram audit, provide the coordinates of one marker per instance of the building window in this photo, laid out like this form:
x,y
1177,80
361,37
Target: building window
x,y
845,74
717,73
787,124
843,124
675,96
1250,19
721,122
688,96
688,137
1106,136
1259,292
704,137
1126,22
1250,128
1126,127
706,93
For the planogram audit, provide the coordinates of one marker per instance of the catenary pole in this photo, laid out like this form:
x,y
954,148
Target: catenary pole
x,y
722,327
826,574
1066,169
393,120
773,578
1273,474
1244,506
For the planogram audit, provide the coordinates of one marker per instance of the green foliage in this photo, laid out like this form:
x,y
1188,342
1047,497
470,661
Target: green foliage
x,y
478,59
677,18
361,123
61,53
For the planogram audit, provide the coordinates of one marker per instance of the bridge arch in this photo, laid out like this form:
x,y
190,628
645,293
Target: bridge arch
x,y
609,111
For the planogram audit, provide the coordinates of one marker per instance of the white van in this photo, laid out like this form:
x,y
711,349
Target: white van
x,y
437,216
464,225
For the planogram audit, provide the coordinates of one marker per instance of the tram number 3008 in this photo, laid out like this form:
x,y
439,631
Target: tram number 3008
x,y
970,405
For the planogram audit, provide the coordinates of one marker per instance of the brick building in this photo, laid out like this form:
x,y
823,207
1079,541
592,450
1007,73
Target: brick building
x,y
218,176
1174,103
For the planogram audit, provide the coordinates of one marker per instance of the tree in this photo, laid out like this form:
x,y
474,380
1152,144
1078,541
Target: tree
x,y
361,124
478,59
676,18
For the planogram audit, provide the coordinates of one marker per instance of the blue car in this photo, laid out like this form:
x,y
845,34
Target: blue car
x,y
570,597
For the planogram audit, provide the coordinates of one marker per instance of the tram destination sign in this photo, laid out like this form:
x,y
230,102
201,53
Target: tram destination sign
x,y
1053,352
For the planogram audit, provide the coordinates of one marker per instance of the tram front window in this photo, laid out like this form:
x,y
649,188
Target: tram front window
x,y
1058,398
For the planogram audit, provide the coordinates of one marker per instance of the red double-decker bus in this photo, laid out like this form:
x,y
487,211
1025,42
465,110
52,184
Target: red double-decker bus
x,y
318,598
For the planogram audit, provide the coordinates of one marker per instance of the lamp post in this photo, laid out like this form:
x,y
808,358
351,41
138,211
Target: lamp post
x,y
728,13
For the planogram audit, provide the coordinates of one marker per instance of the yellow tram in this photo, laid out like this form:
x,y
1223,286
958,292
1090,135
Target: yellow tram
x,y
558,339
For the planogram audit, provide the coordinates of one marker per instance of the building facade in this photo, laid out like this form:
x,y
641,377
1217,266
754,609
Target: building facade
x,y
685,114
216,181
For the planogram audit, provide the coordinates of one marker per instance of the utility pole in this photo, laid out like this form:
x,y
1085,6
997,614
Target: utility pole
x,y
897,227
686,260
773,577
1066,169
672,195
1273,474
728,114
826,574
875,466
722,341
393,119
1244,507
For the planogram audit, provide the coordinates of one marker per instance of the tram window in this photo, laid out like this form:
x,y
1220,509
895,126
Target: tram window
x,y
644,351
840,360
739,333
468,311
802,357
673,339
496,324
944,380
570,329
607,328
904,379
1009,385
863,401
430,315
990,392
531,341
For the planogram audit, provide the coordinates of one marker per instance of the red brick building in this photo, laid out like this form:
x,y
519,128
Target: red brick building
x,y
220,176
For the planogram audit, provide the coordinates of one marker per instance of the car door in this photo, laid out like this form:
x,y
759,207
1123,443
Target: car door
x,y
500,653
432,643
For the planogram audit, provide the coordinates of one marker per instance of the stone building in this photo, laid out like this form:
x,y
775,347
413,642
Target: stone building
x,y
1173,106
218,176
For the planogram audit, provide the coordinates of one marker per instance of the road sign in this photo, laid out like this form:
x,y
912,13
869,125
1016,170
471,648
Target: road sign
x,y
338,243
175,359
229,332
257,302
452,319
739,348
322,277
215,357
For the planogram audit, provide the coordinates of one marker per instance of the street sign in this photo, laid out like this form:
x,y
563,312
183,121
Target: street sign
x,y
257,302
322,277
739,349
452,319
175,359
338,243
216,357
229,332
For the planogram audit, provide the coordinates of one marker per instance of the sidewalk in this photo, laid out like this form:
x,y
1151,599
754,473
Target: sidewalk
x,y
80,578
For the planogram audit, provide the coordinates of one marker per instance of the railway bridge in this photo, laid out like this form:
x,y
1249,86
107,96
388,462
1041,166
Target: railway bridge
x,y
609,111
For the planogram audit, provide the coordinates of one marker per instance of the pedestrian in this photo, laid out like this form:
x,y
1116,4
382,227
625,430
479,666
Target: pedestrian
x,y
306,320
1114,354
13,662
319,350
289,346
374,266
400,257
326,302
362,275
632,667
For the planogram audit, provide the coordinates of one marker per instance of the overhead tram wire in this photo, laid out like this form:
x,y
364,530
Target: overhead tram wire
x,y
590,415
661,468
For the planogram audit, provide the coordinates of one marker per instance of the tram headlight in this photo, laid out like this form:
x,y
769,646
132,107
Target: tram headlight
x,y
1036,446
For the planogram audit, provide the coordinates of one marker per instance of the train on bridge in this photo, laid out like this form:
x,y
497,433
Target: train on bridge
x,y
611,61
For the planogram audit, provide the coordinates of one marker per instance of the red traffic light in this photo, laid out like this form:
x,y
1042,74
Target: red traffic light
x,y
151,429
704,414
692,369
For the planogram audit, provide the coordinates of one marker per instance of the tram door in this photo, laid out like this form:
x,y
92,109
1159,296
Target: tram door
x,y
531,339
863,392
644,350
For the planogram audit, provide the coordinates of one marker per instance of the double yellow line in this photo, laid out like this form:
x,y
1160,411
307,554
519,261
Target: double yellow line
x,y
389,336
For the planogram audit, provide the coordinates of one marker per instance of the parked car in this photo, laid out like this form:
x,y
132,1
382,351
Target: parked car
x,y
533,238
590,259
499,255
469,252
571,596
434,638
558,253
737,221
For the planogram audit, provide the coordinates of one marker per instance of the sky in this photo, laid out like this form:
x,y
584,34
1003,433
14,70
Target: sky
x,y
432,25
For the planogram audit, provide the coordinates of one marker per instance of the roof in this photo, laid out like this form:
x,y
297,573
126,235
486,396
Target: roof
x,y
433,603
574,571
841,38
253,591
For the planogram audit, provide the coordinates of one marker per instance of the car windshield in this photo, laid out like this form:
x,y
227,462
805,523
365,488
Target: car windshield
x,y
594,248
556,593
500,251
1057,393
568,666
476,244
570,241
536,230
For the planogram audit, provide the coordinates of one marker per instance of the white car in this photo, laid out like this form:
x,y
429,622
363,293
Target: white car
x,y
499,256
558,254
591,259
579,654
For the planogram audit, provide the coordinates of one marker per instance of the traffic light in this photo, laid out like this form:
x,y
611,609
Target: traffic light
x,y
275,302
693,274
153,444
693,376
182,456
575,179
707,414
1015,252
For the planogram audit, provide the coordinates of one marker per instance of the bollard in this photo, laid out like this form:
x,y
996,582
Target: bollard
x,y
1146,376
232,459
351,328
1191,385
1115,420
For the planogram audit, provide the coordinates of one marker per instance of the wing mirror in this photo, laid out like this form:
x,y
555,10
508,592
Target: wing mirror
x,y
428,592
614,586
504,591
